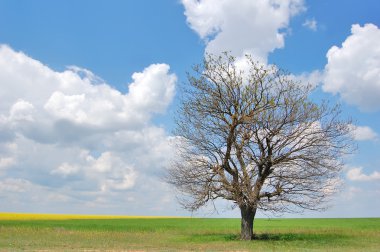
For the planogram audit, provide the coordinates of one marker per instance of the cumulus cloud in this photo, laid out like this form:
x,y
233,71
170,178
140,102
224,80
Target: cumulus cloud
x,y
14,185
353,70
355,174
6,161
65,169
7,156
313,78
242,27
363,133
153,89
30,87
71,136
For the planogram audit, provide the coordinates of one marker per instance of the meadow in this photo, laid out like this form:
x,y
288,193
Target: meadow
x,y
117,233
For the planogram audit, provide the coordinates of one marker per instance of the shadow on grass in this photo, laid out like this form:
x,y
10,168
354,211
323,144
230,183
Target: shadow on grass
x,y
270,237
213,237
279,237
299,236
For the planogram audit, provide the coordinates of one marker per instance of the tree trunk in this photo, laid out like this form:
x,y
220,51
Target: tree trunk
x,y
247,217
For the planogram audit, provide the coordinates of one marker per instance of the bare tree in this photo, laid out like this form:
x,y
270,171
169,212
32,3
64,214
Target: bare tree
x,y
255,138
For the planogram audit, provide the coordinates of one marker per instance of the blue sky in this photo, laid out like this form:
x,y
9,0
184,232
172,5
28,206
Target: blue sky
x,y
88,92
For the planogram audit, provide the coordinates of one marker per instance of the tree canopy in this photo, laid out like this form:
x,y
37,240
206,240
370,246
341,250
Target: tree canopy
x,y
254,137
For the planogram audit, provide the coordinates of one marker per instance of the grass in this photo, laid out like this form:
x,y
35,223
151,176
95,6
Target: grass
x,y
99,233
34,216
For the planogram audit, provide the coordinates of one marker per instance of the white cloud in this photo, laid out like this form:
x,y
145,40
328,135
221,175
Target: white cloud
x,y
356,174
86,74
311,24
6,162
21,111
28,86
103,163
7,156
71,136
363,133
353,70
125,182
115,173
14,185
351,192
65,170
245,26
153,89
314,78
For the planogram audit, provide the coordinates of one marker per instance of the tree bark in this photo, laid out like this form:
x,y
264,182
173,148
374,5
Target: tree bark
x,y
247,217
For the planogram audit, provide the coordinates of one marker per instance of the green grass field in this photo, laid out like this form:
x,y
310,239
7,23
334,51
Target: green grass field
x,y
173,234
